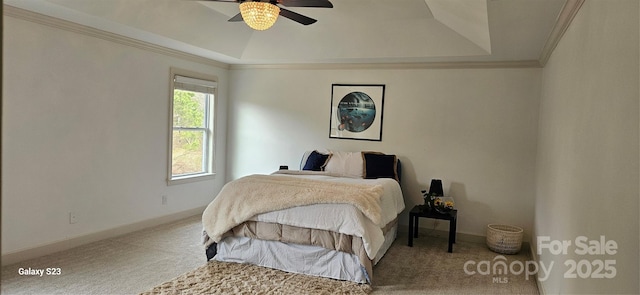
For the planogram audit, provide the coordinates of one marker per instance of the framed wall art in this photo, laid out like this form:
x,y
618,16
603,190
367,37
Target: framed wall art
x,y
356,111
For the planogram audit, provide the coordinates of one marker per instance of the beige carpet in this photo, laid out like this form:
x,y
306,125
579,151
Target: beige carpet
x,y
127,264
426,268
137,262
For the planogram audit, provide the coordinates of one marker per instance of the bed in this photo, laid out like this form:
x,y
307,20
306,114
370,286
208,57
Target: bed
x,y
335,218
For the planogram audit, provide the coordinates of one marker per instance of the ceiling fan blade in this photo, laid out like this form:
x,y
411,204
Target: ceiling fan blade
x,y
296,17
236,18
306,3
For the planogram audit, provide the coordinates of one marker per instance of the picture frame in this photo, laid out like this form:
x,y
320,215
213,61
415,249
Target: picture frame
x,y
357,111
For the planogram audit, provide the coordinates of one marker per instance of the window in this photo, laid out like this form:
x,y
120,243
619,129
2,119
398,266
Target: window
x,y
192,133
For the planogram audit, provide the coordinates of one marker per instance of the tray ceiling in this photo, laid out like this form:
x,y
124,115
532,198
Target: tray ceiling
x,y
354,31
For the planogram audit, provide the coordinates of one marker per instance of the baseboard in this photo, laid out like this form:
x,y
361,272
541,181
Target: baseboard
x,y
42,250
444,234
464,237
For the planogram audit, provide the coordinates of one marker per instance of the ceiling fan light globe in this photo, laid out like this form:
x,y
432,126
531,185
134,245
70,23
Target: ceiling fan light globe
x,y
259,15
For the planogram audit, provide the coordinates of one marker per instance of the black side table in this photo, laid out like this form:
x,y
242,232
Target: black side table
x,y
421,211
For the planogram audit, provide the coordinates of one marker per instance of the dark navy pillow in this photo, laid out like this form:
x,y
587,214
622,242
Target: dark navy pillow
x,y
378,165
316,161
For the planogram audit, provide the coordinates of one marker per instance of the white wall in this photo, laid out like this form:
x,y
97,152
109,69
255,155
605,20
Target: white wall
x,y
85,129
474,129
587,176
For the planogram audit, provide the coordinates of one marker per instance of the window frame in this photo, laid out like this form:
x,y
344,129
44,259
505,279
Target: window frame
x,y
208,162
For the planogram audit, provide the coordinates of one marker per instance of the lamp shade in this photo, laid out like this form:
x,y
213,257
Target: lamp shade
x,y
436,188
259,15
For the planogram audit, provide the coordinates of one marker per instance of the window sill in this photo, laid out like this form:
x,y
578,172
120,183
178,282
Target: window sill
x,y
191,178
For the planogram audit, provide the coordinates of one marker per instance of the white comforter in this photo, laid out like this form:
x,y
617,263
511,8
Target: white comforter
x,y
343,218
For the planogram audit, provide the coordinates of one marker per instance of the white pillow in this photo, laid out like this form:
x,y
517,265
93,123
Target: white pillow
x,y
348,164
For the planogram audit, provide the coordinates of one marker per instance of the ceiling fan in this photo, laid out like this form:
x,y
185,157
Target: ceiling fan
x,y
261,15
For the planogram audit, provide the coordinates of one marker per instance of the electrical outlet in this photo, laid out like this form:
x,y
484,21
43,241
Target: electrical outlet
x,y
164,200
73,218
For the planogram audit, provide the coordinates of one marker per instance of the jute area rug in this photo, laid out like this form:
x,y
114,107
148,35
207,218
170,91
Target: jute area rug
x,y
234,278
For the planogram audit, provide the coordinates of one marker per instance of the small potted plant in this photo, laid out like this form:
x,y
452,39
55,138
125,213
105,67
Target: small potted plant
x,y
429,199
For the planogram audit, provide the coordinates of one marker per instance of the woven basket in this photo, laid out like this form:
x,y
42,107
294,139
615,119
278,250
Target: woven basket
x,y
505,239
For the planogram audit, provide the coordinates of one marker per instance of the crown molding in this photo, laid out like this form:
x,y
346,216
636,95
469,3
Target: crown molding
x,y
393,66
58,23
568,12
